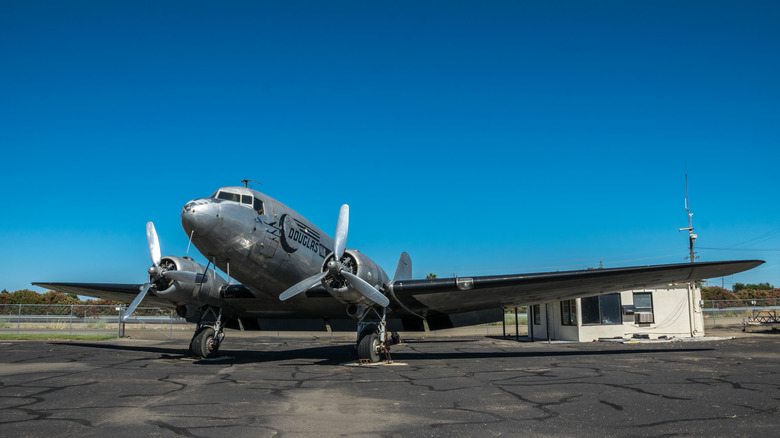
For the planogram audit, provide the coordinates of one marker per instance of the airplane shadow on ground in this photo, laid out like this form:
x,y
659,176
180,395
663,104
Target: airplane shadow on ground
x,y
340,354
330,355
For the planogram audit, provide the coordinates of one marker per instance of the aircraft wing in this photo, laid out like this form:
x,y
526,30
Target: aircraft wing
x,y
123,293
465,294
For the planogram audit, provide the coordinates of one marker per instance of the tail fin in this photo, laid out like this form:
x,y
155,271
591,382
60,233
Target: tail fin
x,y
404,269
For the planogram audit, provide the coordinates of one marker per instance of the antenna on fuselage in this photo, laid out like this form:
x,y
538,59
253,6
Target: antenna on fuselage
x,y
247,181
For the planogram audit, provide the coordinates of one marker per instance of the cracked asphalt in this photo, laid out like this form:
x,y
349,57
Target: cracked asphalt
x,y
467,386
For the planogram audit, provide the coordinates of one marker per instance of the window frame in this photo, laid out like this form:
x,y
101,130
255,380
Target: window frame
x,y
643,308
616,311
235,197
569,312
258,202
241,199
537,314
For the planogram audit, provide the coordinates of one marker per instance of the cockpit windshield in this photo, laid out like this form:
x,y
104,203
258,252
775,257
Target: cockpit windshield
x,y
242,198
235,197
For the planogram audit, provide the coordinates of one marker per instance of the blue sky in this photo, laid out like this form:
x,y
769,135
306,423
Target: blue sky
x,y
482,138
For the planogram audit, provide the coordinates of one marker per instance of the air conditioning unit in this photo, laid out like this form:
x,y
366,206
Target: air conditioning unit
x,y
643,318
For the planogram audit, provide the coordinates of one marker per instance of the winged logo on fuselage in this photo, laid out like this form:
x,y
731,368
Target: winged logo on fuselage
x,y
296,235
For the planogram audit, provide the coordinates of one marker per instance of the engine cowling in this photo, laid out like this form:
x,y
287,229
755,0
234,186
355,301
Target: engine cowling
x,y
359,265
183,293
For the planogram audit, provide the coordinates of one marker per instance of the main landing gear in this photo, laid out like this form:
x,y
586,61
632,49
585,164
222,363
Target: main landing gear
x,y
209,334
373,339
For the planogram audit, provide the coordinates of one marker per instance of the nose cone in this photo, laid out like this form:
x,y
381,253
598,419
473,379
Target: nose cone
x,y
200,216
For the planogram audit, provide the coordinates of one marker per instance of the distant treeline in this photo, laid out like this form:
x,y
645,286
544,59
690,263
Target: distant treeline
x,y
740,292
26,296
57,303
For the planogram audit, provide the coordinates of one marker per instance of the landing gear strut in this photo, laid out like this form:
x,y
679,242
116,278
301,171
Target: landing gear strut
x,y
373,338
208,335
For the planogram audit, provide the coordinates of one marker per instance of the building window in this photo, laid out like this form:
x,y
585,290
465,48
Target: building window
x,y
643,301
590,310
569,312
537,314
602,309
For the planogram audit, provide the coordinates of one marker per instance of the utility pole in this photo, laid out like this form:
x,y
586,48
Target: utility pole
x,y
691,237
694,294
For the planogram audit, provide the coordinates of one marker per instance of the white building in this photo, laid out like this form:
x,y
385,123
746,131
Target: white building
x,y
654,313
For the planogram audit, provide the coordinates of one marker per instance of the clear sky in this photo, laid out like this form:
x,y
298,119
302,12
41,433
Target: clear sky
x,y
481,137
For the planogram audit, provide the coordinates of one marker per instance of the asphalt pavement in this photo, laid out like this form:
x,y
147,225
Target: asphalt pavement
x,y
472,385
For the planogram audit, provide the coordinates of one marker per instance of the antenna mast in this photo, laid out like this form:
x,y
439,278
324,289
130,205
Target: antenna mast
x,y
691,237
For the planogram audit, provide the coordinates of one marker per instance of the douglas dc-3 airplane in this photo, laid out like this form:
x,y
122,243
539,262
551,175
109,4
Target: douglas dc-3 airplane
x,y
295,277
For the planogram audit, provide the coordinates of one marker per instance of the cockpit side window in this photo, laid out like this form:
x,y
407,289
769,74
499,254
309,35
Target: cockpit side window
x,y
235,197
258,206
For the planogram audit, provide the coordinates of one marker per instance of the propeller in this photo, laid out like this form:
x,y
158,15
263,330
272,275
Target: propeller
x,y
157,271
131,308
342,228
154,243
335,267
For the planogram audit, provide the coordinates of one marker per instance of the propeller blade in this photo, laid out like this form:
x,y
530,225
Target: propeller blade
x,y
342,226
302,286
366,289
154,243
136,301
185,276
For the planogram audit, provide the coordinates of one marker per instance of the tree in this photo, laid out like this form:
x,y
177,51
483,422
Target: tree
x,y
430,276
754,291
24,296
760,286
716,293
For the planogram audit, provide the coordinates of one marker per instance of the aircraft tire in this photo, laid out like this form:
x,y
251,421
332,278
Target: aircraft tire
x,y
368,347
202,344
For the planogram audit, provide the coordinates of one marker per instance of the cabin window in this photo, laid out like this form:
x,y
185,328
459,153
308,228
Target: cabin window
x,y
246,199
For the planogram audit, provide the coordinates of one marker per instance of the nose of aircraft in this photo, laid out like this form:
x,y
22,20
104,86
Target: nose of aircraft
x,y
200,216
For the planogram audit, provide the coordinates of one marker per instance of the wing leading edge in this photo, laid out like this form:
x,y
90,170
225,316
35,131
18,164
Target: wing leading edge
x,y
456,295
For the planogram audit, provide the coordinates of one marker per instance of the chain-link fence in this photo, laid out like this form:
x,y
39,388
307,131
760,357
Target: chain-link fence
x,y
83,319
91,319
742,313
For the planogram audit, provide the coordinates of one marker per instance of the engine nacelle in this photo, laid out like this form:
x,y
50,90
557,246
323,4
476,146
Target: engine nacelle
x,y
182,293
359,265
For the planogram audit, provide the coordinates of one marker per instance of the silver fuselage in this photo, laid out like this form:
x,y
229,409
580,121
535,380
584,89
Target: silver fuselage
x,y
264,245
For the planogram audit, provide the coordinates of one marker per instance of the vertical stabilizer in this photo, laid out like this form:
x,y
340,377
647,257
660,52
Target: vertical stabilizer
x,y
404,269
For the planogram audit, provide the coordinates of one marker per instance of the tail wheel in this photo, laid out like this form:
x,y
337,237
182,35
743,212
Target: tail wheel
x,y
203,344
368,346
